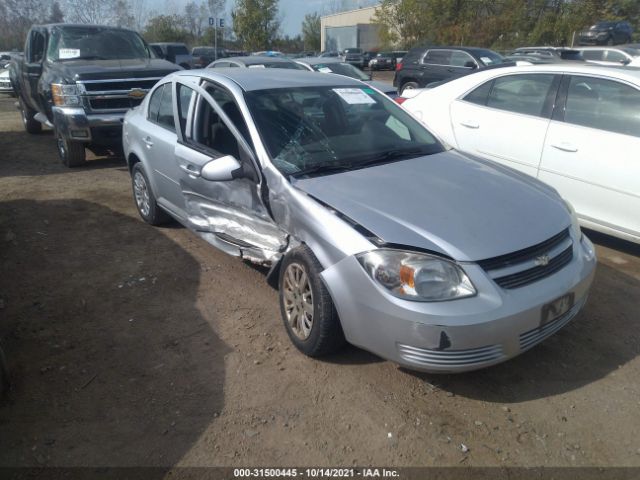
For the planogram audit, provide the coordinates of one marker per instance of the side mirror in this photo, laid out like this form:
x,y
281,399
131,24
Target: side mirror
x,y
222,169
470,64
5,57
626,61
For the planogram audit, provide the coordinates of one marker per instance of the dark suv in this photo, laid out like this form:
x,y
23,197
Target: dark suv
x,y
606,33
424,65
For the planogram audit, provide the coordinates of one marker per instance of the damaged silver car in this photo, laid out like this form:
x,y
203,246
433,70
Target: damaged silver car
x,y
376,233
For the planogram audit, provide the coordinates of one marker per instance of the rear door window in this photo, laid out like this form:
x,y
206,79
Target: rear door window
x,y
165,110
154,104
594,55
438,57
604,105
525,94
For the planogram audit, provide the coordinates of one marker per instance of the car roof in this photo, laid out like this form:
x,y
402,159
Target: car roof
x,y
317,60
50,26
631,74
168,43
256,60
250,79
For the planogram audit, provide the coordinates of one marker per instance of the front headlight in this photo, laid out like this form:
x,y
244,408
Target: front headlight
x,y
65,95
416,276
575,224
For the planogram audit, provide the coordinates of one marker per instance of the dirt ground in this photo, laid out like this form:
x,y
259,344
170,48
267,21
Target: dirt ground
x,y
131,345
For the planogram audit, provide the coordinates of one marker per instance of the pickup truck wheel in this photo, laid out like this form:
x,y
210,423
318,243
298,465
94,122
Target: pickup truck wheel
x,y
31,125
71,153
308,312
145,199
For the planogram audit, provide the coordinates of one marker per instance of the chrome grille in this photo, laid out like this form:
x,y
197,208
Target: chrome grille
x,y
531,264
537,335
113,95
453,358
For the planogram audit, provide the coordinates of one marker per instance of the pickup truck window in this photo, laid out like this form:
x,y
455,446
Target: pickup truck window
x,y
91,43
36,47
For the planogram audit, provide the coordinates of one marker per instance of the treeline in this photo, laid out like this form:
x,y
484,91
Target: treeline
x,y
252,25
499,24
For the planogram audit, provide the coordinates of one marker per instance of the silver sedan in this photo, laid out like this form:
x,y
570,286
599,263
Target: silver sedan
x,y
375,232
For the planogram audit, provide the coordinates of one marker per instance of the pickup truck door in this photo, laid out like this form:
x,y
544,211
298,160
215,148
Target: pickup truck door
x,y
229,214
506,119
591,152
32,69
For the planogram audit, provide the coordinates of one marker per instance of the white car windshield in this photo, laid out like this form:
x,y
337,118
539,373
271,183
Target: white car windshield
x,y
311,130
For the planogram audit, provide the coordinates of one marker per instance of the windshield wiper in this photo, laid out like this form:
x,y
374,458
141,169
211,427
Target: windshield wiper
x,y
391,155
330,168
86,57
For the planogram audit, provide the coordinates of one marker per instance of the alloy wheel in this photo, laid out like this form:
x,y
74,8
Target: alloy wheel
x,y
298,300
141,193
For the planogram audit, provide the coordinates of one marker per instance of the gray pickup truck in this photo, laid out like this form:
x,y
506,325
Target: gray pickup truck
x,y
80,80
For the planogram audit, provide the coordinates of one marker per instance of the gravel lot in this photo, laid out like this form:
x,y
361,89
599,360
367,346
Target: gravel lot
x,y
133,345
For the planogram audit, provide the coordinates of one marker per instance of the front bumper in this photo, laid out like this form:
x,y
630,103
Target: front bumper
x,y
455,336
96,128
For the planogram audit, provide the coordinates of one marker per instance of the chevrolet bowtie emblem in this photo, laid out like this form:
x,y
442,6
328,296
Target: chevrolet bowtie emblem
x,y
136,93
542,260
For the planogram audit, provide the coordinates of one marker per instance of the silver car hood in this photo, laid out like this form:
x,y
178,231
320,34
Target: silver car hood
x,y
468,209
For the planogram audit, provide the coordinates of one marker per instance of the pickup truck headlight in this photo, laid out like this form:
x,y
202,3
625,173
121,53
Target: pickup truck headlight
x,y
416,276
65,95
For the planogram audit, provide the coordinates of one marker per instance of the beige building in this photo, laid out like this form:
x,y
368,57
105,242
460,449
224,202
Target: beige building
x,y
354,28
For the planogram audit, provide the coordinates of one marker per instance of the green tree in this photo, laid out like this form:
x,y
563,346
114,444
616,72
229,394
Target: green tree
x,y
166,28
311,31
255,23
56,15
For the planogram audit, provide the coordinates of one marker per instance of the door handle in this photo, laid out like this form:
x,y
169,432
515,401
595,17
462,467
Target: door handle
x,y
470,124
565,147
191,170
148,142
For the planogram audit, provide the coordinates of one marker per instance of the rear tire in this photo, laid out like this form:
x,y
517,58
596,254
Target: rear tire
x,y
31,125
71,153
308,313
408,86
145,199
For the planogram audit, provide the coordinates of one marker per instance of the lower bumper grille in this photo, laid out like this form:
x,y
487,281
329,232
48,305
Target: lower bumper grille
x,y
450,358
98,104
537,335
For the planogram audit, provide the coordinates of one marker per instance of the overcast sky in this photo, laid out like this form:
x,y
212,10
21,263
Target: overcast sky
x,y
292,12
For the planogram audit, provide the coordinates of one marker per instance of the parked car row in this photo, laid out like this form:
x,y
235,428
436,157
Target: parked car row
x,y
375,231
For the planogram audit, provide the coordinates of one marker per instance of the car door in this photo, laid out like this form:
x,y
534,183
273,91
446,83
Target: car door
x,y
591,151
159,139
229,214
32,71
506,119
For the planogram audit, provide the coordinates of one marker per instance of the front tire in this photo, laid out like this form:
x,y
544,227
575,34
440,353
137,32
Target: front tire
x,y
309,315
71,153
31,125
145,199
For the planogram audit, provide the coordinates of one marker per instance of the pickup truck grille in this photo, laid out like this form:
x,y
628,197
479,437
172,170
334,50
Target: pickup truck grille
x,y
114,95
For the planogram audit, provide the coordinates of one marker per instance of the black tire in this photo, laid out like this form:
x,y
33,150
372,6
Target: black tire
x,y
151,213
31,125
325,335
408,86
4,373
71,153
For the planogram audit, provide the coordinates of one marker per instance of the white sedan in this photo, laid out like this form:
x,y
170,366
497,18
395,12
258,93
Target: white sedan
x,y
575,127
